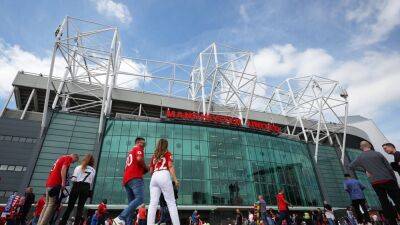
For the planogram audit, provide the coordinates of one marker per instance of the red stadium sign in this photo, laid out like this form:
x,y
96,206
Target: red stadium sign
x,y
223,120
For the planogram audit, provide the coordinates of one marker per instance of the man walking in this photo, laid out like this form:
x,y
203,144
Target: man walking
x,y
283,207
389,148
355,189
135,168
55,183
263,211
382,178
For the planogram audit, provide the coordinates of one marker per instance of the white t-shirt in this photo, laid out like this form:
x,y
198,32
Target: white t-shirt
x,y
86,176
251,217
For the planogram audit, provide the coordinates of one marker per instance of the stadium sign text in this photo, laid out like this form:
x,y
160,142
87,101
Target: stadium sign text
x,y
223,120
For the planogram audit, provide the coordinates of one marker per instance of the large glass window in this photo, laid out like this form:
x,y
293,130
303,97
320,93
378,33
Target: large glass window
x,y
331,174
216,166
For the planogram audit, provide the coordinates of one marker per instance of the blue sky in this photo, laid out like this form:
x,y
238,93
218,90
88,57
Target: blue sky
x,y
355,42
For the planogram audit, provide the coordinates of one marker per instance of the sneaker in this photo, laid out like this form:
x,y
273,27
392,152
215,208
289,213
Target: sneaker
x,y
118,221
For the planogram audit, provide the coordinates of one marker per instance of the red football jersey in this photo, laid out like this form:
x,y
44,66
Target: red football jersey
x,y
39,206
54,178
132,168
282,206
101,209
161,164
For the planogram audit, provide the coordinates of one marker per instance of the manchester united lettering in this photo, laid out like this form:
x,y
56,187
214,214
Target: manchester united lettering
x,y
221,119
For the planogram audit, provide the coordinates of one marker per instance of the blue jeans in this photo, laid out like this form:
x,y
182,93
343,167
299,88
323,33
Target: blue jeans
x,y
135,191
94,220
266,219
331,222
35,219
270,221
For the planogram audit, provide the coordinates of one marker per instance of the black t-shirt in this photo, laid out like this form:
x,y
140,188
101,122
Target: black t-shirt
x,y
395,165
29,200
397,157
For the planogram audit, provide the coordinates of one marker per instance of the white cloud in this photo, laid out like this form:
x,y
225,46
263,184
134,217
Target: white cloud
x,y
132,81
377,20
14,59
112,9
282,60
372,82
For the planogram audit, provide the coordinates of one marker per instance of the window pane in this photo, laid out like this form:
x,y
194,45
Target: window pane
x,y
3,167
11,168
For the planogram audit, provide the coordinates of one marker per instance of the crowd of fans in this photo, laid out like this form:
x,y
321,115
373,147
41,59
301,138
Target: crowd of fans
x,y
164,192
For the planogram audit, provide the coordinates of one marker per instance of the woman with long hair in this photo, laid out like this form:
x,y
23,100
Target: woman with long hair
x,y
82,179
163,173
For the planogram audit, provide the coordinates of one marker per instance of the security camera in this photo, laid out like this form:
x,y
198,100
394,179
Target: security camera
x,y
344,94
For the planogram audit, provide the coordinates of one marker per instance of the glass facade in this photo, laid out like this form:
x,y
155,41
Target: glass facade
x,y
216,166
370,195
67,134
332,176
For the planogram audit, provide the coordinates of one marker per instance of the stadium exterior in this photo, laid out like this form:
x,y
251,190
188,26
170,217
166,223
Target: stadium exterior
x,y
229,142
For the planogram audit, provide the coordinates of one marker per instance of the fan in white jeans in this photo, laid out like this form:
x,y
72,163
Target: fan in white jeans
x,y
162,171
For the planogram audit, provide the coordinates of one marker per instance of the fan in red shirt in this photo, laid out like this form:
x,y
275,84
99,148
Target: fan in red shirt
x,y
132,181
163,164
38,209
102,208
100,216
56,183
135,166
142,215
283,207
58,172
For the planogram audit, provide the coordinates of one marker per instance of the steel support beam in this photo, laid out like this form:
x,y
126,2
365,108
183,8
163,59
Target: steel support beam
x,y
33,92
50,78
7,102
